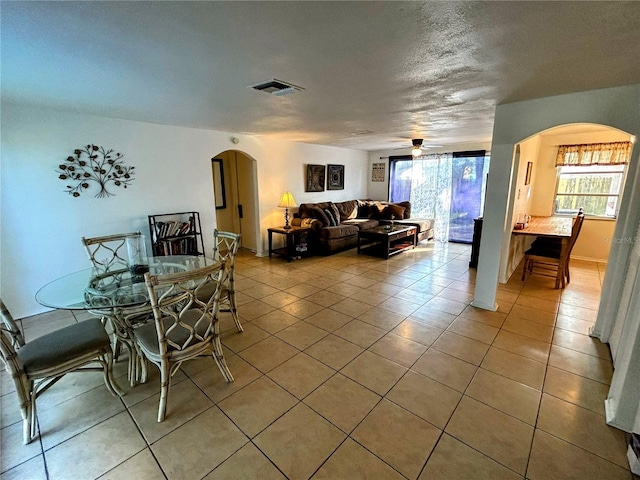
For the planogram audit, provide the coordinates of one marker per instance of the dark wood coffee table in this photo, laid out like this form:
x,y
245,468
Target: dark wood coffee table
x,y
385,241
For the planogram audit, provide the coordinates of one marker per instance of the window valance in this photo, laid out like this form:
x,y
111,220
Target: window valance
x,y
616,153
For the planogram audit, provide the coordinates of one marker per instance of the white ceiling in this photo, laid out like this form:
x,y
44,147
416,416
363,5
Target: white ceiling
x,y
402,70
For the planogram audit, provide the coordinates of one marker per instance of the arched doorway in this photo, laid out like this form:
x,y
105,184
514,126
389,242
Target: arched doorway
x,y
533,191
235,195
514,122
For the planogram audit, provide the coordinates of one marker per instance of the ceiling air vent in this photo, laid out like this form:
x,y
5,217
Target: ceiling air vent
x,y
276,87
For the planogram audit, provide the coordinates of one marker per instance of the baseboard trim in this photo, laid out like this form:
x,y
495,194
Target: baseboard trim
x,y
485,306
589,259
634,461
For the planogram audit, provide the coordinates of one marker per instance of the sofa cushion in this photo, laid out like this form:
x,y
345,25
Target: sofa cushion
x,y
339,231
320,214
306,210
368,208
362,223
336,213
393,210
407,208
331,216
364,208
376,210
347,210
423,224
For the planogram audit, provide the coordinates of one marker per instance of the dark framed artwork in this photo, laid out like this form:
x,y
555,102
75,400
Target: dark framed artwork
x,y
335,177
527,178
218,184
315,178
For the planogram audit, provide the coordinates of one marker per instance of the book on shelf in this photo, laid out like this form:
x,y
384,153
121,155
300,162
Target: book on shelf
x,y
173,228
176,234
181,246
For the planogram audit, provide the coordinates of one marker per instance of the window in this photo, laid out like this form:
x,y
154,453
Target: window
x,y
594,188
591,177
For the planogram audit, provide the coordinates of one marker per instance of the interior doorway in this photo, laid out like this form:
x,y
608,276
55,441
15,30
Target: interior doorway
x,y
539,188
234,176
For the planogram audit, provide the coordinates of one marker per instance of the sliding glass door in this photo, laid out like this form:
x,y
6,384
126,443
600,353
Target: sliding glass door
x,y
447,187
468,183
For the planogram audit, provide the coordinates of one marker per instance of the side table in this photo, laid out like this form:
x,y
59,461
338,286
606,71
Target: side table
x,y
291,234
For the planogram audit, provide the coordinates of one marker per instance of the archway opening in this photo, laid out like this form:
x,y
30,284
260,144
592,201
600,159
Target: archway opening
x,y
235,184
537,190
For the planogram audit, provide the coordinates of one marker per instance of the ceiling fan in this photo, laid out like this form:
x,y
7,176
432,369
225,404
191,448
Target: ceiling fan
x,y
418,147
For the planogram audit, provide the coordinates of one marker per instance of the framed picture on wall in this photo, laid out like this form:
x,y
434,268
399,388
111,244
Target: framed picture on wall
x,y
335,177
218,184
527,178
377,172
315,178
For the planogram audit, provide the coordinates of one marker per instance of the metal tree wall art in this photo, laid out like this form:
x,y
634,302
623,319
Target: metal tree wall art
x,y
94,164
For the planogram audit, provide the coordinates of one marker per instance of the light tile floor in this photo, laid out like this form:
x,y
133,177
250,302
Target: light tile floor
x,y
352,367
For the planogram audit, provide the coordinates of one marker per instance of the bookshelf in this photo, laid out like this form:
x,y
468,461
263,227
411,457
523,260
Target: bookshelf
x,y
176,234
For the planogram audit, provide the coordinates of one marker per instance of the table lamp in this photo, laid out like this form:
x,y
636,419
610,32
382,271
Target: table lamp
x,y
286,202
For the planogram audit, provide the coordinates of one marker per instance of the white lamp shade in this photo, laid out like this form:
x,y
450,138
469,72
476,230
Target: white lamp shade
x,y
287,200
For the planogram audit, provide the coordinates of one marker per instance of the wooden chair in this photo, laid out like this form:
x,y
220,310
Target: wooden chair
x,y
185,326
108,251
37,365
225,247
552,258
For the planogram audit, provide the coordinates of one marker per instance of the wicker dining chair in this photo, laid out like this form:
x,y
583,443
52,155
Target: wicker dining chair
x,y
185,326
225,247
37,365
108,251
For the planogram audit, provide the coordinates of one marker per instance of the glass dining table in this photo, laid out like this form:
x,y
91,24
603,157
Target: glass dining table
x,y
118,294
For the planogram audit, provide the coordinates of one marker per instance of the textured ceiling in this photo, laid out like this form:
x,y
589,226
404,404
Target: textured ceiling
x,y
401,70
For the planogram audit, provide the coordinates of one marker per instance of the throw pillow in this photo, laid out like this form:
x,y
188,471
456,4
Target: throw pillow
x,y
321,215
396,210
336,212
376,209
407,208
332,219
348,209
363,209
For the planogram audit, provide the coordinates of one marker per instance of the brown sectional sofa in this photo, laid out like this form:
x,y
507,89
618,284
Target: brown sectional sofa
x,y
335,226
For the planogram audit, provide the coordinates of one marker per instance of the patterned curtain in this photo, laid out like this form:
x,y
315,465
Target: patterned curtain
x,y
617,153
431,191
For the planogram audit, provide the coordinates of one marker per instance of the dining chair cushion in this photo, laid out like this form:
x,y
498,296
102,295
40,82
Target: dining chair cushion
x,y
205,293
61,345
148,337
544,251
547,243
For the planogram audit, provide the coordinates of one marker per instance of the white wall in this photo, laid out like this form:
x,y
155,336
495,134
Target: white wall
x,y
615,107
522,201
42,225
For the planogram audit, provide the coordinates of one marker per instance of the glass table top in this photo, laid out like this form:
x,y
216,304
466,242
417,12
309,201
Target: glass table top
x,y
120,286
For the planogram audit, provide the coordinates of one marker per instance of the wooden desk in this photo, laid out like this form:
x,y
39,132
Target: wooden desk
x,y
552,227
556,227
